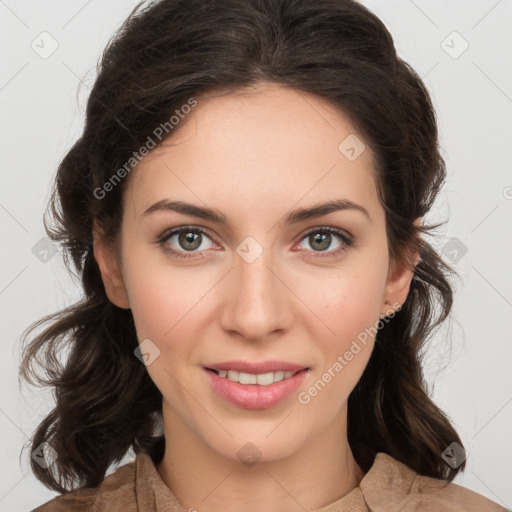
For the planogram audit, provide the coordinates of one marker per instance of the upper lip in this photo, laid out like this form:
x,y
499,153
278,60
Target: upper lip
x,y
257,368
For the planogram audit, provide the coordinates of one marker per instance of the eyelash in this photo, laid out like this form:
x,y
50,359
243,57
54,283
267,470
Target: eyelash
x,y
348,241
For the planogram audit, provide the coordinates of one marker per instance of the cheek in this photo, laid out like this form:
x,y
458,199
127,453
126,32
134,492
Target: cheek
x,y
171,307
163,300
343,354
347,302
167,308
349,306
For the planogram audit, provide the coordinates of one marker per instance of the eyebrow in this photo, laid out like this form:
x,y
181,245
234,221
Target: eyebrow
x,y
293,217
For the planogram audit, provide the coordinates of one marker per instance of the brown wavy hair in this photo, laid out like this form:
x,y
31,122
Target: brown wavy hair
x,y
166,52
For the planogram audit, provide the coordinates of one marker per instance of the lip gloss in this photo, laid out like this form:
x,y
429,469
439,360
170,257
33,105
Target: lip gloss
x,y
255,396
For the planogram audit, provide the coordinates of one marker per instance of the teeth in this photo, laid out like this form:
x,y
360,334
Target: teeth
x,y
263,379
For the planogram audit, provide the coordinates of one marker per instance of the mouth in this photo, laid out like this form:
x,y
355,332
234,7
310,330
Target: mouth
x,y
255,390
261,379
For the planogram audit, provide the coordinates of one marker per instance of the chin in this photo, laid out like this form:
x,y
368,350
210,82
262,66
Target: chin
x,y
255,444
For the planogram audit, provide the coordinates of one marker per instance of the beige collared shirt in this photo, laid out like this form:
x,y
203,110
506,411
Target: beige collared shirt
x,y
387,487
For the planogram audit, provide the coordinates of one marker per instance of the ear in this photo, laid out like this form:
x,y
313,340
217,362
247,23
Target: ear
x,y
399,281
111,275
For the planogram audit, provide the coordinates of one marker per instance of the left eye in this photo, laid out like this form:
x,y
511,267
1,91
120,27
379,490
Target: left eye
x,y
321,239
190,240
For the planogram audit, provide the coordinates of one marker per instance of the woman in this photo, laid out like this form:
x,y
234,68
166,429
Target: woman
x,y
245,211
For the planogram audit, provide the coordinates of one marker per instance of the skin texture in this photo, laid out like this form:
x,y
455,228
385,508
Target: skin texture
x,y
255,156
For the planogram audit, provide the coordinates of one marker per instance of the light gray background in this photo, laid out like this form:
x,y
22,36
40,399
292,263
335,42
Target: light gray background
x,y
42,115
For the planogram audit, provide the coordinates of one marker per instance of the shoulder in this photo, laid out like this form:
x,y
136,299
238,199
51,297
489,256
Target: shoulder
x,y
115,494
391,485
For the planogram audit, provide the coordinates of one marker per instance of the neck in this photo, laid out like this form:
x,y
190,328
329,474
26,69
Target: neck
x,y
318,473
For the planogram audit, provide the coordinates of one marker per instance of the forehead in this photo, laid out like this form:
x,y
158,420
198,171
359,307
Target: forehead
x,y
265,146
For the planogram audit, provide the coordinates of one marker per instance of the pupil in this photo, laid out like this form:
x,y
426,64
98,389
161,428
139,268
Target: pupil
x,y
190,238
324,240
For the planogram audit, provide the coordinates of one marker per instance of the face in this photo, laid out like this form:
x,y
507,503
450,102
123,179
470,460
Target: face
x,y
264,285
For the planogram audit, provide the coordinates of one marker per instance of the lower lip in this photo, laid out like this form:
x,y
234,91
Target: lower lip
x,y
254,396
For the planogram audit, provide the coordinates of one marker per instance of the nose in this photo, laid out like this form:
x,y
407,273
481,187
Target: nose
x,y
257,302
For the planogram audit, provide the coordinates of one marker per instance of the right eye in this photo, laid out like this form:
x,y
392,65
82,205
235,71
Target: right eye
x,y
187,239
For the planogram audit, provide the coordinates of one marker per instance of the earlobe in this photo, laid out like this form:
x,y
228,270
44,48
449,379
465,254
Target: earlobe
x,y
110,272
